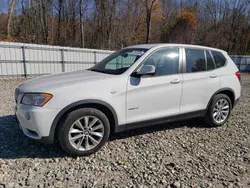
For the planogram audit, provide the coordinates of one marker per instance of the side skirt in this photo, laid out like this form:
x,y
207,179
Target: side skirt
x,y
157,121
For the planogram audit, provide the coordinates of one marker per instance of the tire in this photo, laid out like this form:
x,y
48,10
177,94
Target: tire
x,y
74,125
209,117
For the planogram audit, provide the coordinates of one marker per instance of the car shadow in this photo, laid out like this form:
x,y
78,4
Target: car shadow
x,y
190,123
14,144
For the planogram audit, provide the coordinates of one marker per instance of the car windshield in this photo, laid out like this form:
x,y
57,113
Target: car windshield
x,y
119,62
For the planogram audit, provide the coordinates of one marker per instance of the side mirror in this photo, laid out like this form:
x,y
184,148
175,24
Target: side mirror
x,y
146,70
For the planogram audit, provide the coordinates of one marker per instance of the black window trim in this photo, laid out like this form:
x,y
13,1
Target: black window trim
x,y
205,54
209,51
180,68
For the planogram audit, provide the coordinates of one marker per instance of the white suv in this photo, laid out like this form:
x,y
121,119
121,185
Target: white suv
x,y
134,87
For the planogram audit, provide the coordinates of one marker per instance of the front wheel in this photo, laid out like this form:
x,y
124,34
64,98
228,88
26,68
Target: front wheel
x,y
84,131
219,110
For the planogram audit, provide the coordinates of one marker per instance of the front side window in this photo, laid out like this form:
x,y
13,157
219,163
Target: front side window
x,y
219,59
165,61
195,60
119,62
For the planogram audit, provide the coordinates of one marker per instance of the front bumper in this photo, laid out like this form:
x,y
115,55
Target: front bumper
x,y
36,122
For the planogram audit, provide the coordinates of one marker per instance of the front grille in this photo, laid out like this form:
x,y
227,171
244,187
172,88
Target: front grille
x,y
16,94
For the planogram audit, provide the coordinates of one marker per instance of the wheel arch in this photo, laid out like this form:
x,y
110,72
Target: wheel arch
x,y
106,108
227,91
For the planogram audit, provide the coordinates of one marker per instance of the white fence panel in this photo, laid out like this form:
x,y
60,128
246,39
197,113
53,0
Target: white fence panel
x,y
19,59
10,61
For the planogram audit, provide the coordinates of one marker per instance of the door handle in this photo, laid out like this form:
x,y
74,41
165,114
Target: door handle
x,y
213,76
175,81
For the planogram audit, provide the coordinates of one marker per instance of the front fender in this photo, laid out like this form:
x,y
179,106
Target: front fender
x,y
74,105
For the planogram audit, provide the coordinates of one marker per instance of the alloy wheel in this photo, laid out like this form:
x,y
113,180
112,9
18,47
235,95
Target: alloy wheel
x,y
221,111
86,133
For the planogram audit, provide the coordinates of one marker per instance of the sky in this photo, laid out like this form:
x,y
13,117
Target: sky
x,y
3,6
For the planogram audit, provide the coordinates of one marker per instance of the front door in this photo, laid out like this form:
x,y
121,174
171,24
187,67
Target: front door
x,y
153,97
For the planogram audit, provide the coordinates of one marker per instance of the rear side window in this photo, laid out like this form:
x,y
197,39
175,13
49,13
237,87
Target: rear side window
x,y
219,59
195,60
210,62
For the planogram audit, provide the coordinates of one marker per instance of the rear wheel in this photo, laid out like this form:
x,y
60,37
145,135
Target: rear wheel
x,y
219,110
84,131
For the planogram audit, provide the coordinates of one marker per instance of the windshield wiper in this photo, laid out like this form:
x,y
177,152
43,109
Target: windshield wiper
x,y
101,71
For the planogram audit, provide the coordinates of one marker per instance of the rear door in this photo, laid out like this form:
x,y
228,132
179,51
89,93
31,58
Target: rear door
x,y
200,80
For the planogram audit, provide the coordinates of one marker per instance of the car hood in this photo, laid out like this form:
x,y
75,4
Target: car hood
x,y
50,82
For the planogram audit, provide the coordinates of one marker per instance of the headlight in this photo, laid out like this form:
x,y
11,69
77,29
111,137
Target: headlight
x,y
36,99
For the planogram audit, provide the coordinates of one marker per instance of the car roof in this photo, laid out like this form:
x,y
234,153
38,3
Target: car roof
x,y
148,46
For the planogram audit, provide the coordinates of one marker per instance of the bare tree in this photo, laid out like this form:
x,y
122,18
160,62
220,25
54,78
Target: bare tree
x,y
10,15
59,22
150,6
43,15
83,8
112,24
81,23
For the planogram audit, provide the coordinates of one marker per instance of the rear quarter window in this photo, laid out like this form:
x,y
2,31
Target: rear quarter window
x,y
219,59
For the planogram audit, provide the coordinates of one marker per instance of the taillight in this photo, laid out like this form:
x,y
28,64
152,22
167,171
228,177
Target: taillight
x,y
238,75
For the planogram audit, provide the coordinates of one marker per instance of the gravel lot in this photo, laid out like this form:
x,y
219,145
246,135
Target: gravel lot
x,y
183,154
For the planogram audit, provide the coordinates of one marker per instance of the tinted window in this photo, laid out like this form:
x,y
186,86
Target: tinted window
x,y
195,60
166,61
210,62
219,59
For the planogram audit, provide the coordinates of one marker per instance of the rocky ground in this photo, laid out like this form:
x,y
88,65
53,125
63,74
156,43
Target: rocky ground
x,y
183,154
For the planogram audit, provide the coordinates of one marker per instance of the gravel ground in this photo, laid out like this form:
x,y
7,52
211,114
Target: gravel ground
x,y
183,154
